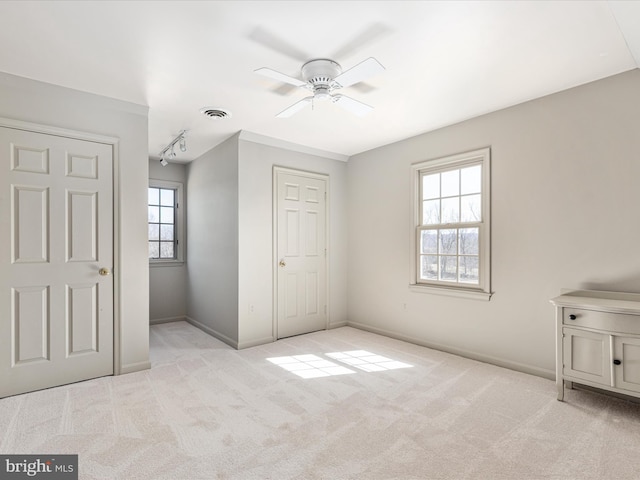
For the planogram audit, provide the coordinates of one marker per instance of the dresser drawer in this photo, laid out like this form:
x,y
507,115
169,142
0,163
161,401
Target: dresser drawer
x,y
611,322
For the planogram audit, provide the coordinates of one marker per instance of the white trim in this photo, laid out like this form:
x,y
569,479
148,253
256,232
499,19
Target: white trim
x,y
135,367
114,142
276,142
274,210
179,220
214,333
450,291
60,132
255,343
500,362
482,157
158,321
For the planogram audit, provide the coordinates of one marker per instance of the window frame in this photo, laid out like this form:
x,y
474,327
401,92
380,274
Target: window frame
x,y
481,291
178,220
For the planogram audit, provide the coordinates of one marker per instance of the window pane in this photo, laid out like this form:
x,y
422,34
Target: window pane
x,y
154,249
166,232
469,270
470,208
166,215
450,183
154,214
448,242
166,197
471,180
431,186
431,212
166,249
154,196
429,241
429,267
154,231
449,268
468,241
451,210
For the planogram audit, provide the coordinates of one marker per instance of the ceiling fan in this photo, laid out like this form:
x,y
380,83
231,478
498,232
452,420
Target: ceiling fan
x,y
323,77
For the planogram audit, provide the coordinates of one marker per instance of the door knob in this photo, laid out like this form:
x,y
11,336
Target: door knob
x,y
104,271
282,263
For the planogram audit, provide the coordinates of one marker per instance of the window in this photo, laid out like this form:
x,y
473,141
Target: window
x,y
165,222
452,229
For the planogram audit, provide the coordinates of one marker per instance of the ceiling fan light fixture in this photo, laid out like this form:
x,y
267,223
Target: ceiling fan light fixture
x,y
322,77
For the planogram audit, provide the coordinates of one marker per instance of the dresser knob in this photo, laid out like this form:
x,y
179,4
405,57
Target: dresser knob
x,y
617,362
572,317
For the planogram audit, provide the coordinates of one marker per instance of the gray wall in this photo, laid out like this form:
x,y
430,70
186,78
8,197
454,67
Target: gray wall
x,y
565,172
212,241
256,235
168,282
42,103
230,238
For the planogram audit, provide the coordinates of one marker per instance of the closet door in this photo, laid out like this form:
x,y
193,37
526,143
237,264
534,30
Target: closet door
x,y
56,249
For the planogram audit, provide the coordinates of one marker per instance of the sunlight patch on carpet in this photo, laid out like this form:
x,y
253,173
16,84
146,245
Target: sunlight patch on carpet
x,y
310,366
367,361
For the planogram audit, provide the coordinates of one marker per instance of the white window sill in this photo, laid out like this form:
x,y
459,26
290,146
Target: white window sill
x,y
166,263
450,292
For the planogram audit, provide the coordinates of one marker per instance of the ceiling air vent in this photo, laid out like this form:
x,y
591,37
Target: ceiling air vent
x,y
216,113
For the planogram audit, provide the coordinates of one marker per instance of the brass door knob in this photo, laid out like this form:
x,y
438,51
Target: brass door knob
x,y
282,263
104,271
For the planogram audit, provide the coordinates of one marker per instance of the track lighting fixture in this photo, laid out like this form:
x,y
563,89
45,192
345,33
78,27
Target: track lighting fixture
x,y
169,150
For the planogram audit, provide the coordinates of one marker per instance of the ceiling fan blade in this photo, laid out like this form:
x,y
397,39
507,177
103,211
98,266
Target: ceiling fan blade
x,y
281,77
361,71
273,42
284,89
362,87
368,35
351,105
295,108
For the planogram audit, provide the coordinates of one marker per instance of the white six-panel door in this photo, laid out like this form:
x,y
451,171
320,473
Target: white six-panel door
x,y
301,253
56,234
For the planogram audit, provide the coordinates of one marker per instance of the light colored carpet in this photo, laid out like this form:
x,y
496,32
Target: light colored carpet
x,y
206,411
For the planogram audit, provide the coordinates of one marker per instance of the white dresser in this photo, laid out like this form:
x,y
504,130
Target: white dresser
x,y
598,340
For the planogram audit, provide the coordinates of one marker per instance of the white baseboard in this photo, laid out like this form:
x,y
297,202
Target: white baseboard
x,y
134,367
212,332
337,325
500,362
157,321
255,343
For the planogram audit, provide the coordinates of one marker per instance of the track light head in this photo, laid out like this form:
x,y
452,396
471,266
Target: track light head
x,y
170,150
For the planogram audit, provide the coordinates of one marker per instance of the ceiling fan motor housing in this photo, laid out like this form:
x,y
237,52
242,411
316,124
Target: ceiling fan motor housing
x,y
320,74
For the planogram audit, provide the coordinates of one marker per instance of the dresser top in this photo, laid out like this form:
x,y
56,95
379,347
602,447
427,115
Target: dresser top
x,y
613,302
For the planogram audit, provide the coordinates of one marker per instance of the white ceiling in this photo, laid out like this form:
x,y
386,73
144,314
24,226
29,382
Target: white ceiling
x,y
445,61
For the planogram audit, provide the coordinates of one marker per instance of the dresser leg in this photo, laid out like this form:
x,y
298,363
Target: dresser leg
x,y
560,385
